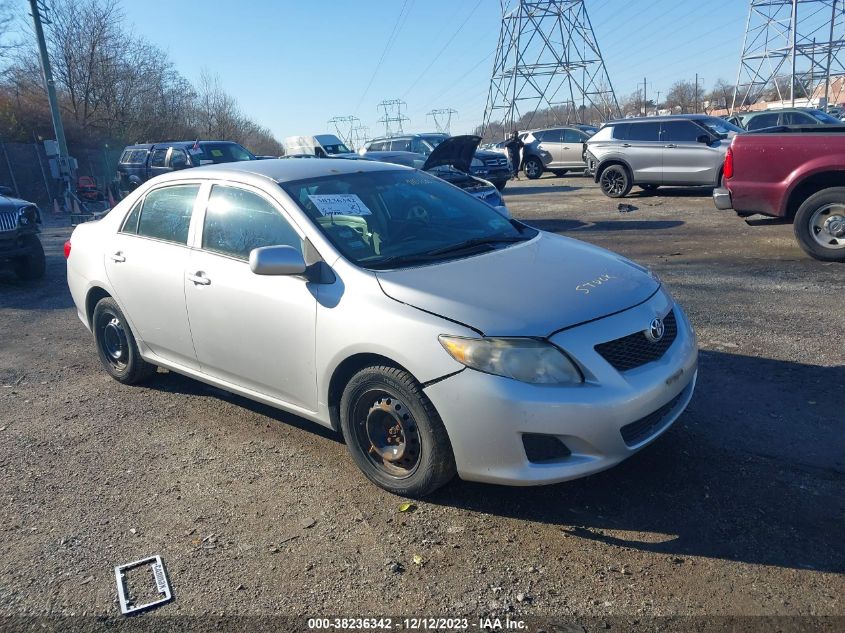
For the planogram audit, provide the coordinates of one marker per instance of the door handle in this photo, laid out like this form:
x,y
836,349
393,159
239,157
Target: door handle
x,y
626,145
199,279
670,146
117,257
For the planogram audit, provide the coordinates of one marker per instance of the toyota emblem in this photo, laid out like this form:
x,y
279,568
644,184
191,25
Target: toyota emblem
x,y
655,331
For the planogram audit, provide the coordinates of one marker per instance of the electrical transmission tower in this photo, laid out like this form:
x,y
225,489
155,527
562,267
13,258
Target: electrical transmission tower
x,y
344,125
360,135
393,117
792,50
443,119
548,59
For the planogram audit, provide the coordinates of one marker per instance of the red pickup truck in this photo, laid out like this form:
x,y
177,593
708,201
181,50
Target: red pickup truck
x,y
795,173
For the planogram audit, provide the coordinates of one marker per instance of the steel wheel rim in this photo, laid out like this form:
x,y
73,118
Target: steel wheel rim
x,y
531,168
387,433
113,341
827,226
612,181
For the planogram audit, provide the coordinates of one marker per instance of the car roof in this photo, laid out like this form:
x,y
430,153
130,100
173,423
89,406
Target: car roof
x,y
280,169
176,144
401,136
665,117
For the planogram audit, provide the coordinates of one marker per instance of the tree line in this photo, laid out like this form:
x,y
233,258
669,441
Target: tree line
x,y
114,86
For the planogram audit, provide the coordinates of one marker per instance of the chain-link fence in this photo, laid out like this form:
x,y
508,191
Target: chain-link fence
x,y
25,168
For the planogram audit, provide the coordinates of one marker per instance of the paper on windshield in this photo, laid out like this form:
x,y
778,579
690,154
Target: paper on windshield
x,y
340,204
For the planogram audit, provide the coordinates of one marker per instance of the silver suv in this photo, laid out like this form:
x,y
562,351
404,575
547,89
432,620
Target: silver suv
x,y
681,150
557,150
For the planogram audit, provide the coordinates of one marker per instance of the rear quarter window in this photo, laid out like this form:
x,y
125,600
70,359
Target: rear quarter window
x,y
166,213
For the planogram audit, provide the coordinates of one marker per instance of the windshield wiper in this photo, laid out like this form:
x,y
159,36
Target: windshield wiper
x,y
477,241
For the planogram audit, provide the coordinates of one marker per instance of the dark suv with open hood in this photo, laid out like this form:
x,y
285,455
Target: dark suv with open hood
x,y
492,166
451,161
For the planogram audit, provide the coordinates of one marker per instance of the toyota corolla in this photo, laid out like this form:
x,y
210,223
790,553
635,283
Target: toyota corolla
x,y
436,335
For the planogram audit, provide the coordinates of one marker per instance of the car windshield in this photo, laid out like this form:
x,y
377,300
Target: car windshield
x,y
433,141
208,153
720,127
824,117
337,148
393,219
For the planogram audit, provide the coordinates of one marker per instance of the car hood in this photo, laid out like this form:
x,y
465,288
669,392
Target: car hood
x,y
533,288
455,151
7,203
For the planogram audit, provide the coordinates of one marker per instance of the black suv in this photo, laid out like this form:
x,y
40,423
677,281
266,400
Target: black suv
x,y
19,243
139,163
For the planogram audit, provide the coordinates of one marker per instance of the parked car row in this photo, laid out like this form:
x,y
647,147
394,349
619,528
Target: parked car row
x,y
783,116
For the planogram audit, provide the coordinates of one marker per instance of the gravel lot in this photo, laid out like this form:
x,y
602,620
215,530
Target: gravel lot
x,y
737,510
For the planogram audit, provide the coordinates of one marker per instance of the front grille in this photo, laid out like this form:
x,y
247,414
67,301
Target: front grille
x,y
503,161
639,431
636,350
492,162
8,220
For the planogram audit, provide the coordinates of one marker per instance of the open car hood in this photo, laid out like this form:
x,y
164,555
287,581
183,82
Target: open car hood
x,y
455,151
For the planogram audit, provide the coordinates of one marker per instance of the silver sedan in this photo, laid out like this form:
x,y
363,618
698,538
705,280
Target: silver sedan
x,y
436,335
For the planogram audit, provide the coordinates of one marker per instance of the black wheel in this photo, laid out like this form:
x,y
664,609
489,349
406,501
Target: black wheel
x,y
34,264
394,433
649,187
559,172
532,168
820,225
116,345
615,182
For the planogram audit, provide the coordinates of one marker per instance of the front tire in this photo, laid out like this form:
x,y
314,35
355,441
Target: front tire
x,y
394,434
32,265
533,168
615,182
820,225
116,345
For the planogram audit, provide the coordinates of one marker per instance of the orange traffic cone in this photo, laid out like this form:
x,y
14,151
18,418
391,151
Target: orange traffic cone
x,y
56,209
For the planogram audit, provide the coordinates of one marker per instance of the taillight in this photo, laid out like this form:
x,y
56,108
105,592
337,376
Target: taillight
x,y
67,249
728,172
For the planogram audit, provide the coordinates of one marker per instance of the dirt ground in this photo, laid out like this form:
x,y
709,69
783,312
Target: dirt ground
x,y
738,510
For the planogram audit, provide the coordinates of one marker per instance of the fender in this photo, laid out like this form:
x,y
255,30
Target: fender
x,y
820,165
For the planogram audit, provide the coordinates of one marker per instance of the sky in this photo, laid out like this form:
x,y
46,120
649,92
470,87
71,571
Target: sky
x,y
293,65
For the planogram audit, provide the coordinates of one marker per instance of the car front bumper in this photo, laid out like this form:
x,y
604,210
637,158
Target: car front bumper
x,y
486,416
722,199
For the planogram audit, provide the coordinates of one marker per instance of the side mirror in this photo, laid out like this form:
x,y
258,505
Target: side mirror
x,y
704,138
276,260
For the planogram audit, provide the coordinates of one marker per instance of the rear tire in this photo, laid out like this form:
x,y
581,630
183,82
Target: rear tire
x,y
394,434
116,345
34,264
533,168
820,225
615,181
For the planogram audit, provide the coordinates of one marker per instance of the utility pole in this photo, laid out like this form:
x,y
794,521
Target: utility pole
x,y
443,119
393,117
696,93
50,85
645,96
829,54
794,34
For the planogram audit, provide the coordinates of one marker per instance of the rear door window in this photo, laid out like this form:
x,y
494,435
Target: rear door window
x,y
158,156
764,120
681,132
648,131
166,213
238,221
400,145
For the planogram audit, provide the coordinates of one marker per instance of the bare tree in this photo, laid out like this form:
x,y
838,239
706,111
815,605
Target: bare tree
x,y
681,97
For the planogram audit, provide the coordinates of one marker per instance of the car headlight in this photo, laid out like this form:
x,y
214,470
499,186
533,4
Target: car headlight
x,y
477,163
26,216
523,359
